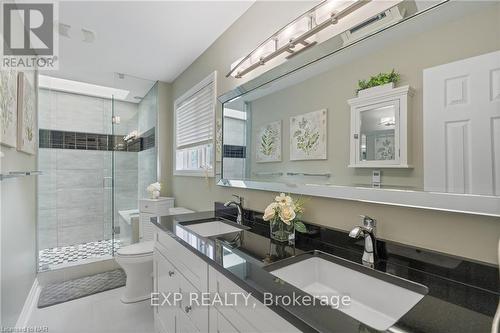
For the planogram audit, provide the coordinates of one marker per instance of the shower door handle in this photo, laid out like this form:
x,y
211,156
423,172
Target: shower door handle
x,y
105,182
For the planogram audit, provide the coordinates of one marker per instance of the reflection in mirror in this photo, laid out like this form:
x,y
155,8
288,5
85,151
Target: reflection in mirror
x,y
235,142
424,133
377,134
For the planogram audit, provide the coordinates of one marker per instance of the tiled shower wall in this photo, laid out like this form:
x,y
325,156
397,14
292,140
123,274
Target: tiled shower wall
x,y
75,190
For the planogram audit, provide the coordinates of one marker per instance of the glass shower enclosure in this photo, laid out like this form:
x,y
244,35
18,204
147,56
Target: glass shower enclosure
x,y
96,155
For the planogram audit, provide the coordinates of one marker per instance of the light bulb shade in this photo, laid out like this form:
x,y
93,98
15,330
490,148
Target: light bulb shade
x,y
325,11
294,30
263,51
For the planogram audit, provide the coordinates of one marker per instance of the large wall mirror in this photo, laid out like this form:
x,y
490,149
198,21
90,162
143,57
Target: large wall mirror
x,y
430,140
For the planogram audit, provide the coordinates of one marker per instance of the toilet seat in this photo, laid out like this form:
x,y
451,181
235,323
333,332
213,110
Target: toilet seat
x,y
141,249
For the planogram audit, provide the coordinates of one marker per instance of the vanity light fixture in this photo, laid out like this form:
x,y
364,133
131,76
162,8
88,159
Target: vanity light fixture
x,y
296,36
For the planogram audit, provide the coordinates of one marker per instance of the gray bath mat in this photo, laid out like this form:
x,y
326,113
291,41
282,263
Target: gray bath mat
x,y
69,290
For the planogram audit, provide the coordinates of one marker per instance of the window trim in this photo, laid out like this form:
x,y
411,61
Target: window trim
x,y
210,173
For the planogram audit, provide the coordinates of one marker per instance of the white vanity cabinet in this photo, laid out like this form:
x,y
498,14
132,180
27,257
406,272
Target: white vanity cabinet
x,y
380,129
166,281
176,269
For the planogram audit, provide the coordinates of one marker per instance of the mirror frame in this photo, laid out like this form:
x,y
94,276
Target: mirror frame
x,y
484,205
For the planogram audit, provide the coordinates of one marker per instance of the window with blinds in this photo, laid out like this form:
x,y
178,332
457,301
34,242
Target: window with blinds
x,y
194,129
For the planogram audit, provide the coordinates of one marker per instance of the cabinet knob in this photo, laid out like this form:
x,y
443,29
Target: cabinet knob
x,y
188,308
170,273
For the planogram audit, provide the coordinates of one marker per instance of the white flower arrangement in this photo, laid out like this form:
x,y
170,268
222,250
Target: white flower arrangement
x,y
154,190
286,210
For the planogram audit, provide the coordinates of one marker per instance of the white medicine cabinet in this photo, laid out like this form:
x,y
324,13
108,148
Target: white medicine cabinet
x,y
379,128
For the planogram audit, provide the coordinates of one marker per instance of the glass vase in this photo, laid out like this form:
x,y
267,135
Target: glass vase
x,y
281,231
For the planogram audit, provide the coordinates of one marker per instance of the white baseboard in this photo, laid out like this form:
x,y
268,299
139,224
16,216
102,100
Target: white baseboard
x,y
29,304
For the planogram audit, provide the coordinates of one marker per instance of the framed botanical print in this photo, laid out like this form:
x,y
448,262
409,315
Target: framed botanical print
x,y
8,108
308,136
268,145
26,115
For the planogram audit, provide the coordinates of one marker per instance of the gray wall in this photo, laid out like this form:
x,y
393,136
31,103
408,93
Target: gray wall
x,y
17,232
164,137
473,237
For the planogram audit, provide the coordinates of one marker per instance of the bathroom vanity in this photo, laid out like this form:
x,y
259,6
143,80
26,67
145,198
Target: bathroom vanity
x,y
177,269
428,292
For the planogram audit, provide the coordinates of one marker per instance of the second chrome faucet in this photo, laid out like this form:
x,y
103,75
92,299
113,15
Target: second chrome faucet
x,y
367,230
239,205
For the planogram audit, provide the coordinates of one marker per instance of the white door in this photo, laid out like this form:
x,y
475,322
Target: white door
x,y
462,126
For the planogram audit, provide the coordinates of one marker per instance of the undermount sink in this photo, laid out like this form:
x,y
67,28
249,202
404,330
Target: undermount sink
x,y
213,228
378,299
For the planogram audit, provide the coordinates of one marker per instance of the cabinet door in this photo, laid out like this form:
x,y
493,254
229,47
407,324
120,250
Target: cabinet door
x,y
186,325
166,282
223,325
198,314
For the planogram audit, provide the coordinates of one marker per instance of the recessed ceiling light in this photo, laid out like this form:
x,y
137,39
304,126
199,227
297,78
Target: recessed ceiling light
x,y
88,36
64,30
83,88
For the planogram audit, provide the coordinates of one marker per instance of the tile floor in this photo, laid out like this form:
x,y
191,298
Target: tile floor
x,y
58,257
99,313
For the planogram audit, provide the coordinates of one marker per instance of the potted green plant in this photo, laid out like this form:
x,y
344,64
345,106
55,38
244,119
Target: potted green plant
x,y
379,82
283,216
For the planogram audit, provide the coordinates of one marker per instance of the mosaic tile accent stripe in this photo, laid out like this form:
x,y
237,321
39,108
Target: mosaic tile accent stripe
x,y
92,141
148,139
234,151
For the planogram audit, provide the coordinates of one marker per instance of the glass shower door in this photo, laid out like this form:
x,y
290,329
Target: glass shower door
x,y
134,155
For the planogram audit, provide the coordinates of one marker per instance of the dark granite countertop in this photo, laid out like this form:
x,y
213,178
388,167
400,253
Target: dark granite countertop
x,y
462,295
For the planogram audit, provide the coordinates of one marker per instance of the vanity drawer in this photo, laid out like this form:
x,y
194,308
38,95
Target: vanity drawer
x,y
186,262
196,313
255,315
158,207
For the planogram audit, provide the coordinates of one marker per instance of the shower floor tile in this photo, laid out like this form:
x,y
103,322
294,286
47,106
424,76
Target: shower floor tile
x,y
59,257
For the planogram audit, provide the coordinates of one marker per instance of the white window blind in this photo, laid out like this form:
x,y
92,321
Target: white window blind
x,y
194,129
195,118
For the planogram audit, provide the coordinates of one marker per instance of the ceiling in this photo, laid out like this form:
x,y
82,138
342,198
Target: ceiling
x,y
145,40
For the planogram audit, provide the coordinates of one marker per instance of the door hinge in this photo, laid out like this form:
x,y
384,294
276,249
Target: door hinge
x,y
116,230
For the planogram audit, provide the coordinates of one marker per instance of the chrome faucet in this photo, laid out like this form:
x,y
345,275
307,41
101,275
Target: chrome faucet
x,y
239,205
367,230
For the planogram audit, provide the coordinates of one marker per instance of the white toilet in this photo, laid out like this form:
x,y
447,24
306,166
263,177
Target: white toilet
x,y
137,262
137,259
